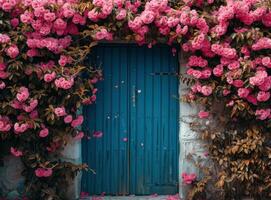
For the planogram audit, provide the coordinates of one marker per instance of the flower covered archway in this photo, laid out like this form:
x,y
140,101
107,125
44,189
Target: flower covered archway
x,y
42,49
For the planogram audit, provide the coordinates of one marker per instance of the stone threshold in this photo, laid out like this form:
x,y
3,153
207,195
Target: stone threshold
x,y
167,197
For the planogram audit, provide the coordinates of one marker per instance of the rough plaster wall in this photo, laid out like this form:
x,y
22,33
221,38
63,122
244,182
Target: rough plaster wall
x,y
72,153
11,181
189,143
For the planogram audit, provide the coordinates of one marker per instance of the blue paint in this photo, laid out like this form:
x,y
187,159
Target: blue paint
x,y
133,103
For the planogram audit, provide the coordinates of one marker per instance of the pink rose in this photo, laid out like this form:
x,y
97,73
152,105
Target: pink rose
x,y
226,92
44,133
2,85
218,70
203,114
189,178
147,17
97,134
5,124
49,77
263,96
238,83
41,172
68,119
60,111
79,136
206,90
266,61
15,152
20,128
262,114
4,38
14,22
50,16
23,94
12,51
243,92
121,14
78,121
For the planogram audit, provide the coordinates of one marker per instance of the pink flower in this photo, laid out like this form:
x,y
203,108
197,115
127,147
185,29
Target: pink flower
x,y
4,38
189,178
196,61
41,172
5,124
252,99
97,134
64,60
262,114
68,119
12,51
78,121
203,114
263,96
266,61
44,133
60,24
266,85
2,85
121,14
20,128
226,92
262,43
147,17
206,90
60,111
49,77
14,22
63,83
238,83
79,136
15,152
259,78
23,94
218,70
243,92
50,16
234,65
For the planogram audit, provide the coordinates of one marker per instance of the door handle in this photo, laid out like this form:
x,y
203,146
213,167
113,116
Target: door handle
x,y
134,96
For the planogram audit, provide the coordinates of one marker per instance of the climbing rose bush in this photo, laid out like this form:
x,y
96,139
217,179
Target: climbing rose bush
x,y
44,78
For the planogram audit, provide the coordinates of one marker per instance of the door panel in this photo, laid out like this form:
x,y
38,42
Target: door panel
x,y
136,104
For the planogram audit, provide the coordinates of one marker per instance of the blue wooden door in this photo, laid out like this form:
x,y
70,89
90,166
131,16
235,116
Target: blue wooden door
x,y
137,111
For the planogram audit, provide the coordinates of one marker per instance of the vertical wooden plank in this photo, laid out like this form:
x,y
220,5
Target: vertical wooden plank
x,y
132,129
107,155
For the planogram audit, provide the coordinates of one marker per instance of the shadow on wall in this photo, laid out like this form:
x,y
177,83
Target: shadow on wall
x,y
12,183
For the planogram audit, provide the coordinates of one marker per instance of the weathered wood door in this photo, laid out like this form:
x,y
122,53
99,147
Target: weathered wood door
x,y
137,111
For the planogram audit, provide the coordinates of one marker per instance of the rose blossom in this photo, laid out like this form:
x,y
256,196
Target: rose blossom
x,y
15,152
218,70
78,121
263,96
12,51
262,114
44,133
23,94
49,77
188,178
60,111
203,114
68,119
243,92
206,90
41,172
